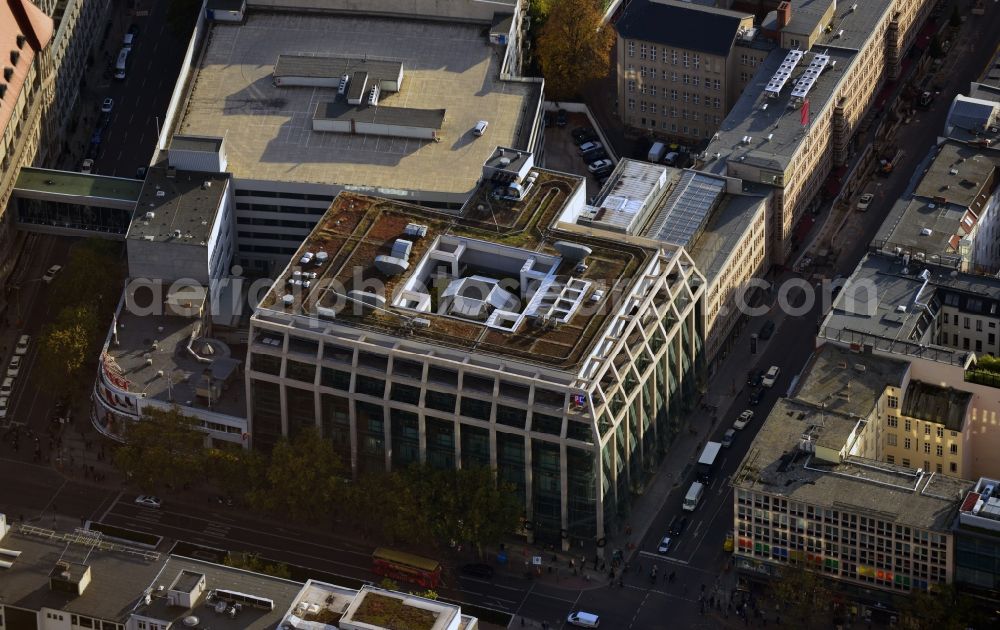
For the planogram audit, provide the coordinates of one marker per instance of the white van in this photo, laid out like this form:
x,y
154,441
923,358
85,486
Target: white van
x,y
480,127
583,619
693,496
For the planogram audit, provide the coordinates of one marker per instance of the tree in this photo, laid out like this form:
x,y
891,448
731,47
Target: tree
x,y
93,276
803,594
478,509
574,47
236,471
65,344
388,503
164,448
253,562
388,584
941,607
302,481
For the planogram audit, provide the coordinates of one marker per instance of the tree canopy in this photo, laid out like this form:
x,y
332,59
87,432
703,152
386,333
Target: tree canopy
x,y
164,449
574,47
65,344
303,478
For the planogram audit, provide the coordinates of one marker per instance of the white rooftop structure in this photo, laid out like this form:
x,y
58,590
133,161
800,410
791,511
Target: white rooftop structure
x,y
808,78
687,208
783,73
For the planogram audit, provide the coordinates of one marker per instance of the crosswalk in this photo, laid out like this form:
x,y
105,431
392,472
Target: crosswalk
x,y
218,530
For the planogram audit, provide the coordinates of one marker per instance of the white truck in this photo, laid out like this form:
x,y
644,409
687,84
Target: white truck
x,y
656,152
693,496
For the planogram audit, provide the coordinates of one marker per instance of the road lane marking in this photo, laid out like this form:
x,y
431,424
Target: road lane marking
x,y
656,556
53,497
104,514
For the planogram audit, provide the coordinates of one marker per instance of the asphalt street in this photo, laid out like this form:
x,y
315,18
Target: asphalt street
x,y
140,101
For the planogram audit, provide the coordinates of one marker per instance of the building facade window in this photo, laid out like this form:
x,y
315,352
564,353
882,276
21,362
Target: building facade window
x,y
631,49
893,402
906,443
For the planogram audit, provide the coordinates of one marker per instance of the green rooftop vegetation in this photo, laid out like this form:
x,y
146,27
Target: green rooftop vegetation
x,y
985,371
78,184
391,612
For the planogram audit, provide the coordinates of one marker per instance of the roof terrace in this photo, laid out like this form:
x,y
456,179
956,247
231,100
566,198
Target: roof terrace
x,y
496,278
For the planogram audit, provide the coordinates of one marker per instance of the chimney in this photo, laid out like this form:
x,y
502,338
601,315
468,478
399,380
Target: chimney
x,y
784,14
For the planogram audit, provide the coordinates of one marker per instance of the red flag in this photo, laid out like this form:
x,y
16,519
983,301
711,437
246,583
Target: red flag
x,y
805,113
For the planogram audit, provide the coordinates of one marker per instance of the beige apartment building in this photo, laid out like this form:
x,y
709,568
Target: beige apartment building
x,y
25,31
800,116
681,67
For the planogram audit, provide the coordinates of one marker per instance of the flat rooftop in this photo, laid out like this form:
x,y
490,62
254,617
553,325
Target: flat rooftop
x,y
26,583
78,184
501,236
776,465
173,201
781,119
848,383
943,405
975,119
181,372
877,306
924,226
726,226
631,195
958,175
268,129
377,608
219,578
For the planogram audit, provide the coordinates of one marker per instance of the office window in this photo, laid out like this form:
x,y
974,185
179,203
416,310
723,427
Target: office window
x,y
927,447
979,345
965,323
908,426
979,325
631,104
631,86
696,99
927,428
652,91
642,51
644,89
745,59
893,421
940,432
940,450
686,97
673,57
893,402
717,104
652,53
718,84
953,449
673,95
944,318
642,106
695,80
673,77
890,439
631,49
687,61
664,75
906,443
696,59
992,339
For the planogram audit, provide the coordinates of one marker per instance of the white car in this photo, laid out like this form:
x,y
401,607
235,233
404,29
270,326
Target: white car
x,y
480,127
744,419
22,345
771,377
593,167
15,367
7,387
87,166
664,546
865,201
51,273
727,439
147,501
587,147
3,407
107,105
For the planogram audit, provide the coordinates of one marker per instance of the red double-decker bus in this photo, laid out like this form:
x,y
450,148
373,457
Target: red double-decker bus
x,y
407,567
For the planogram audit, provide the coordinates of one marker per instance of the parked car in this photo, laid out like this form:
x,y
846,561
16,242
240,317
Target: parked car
x,y
771,377
22,345
3,407
480,127
51,273
147,501
728,437
586,147
766,330
664,545
744,419
478,570
108,105
140,173
865,201
7,387
727,544
598,165
755,395
593,156
753,378
87,166
14,368
584,134
562,118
